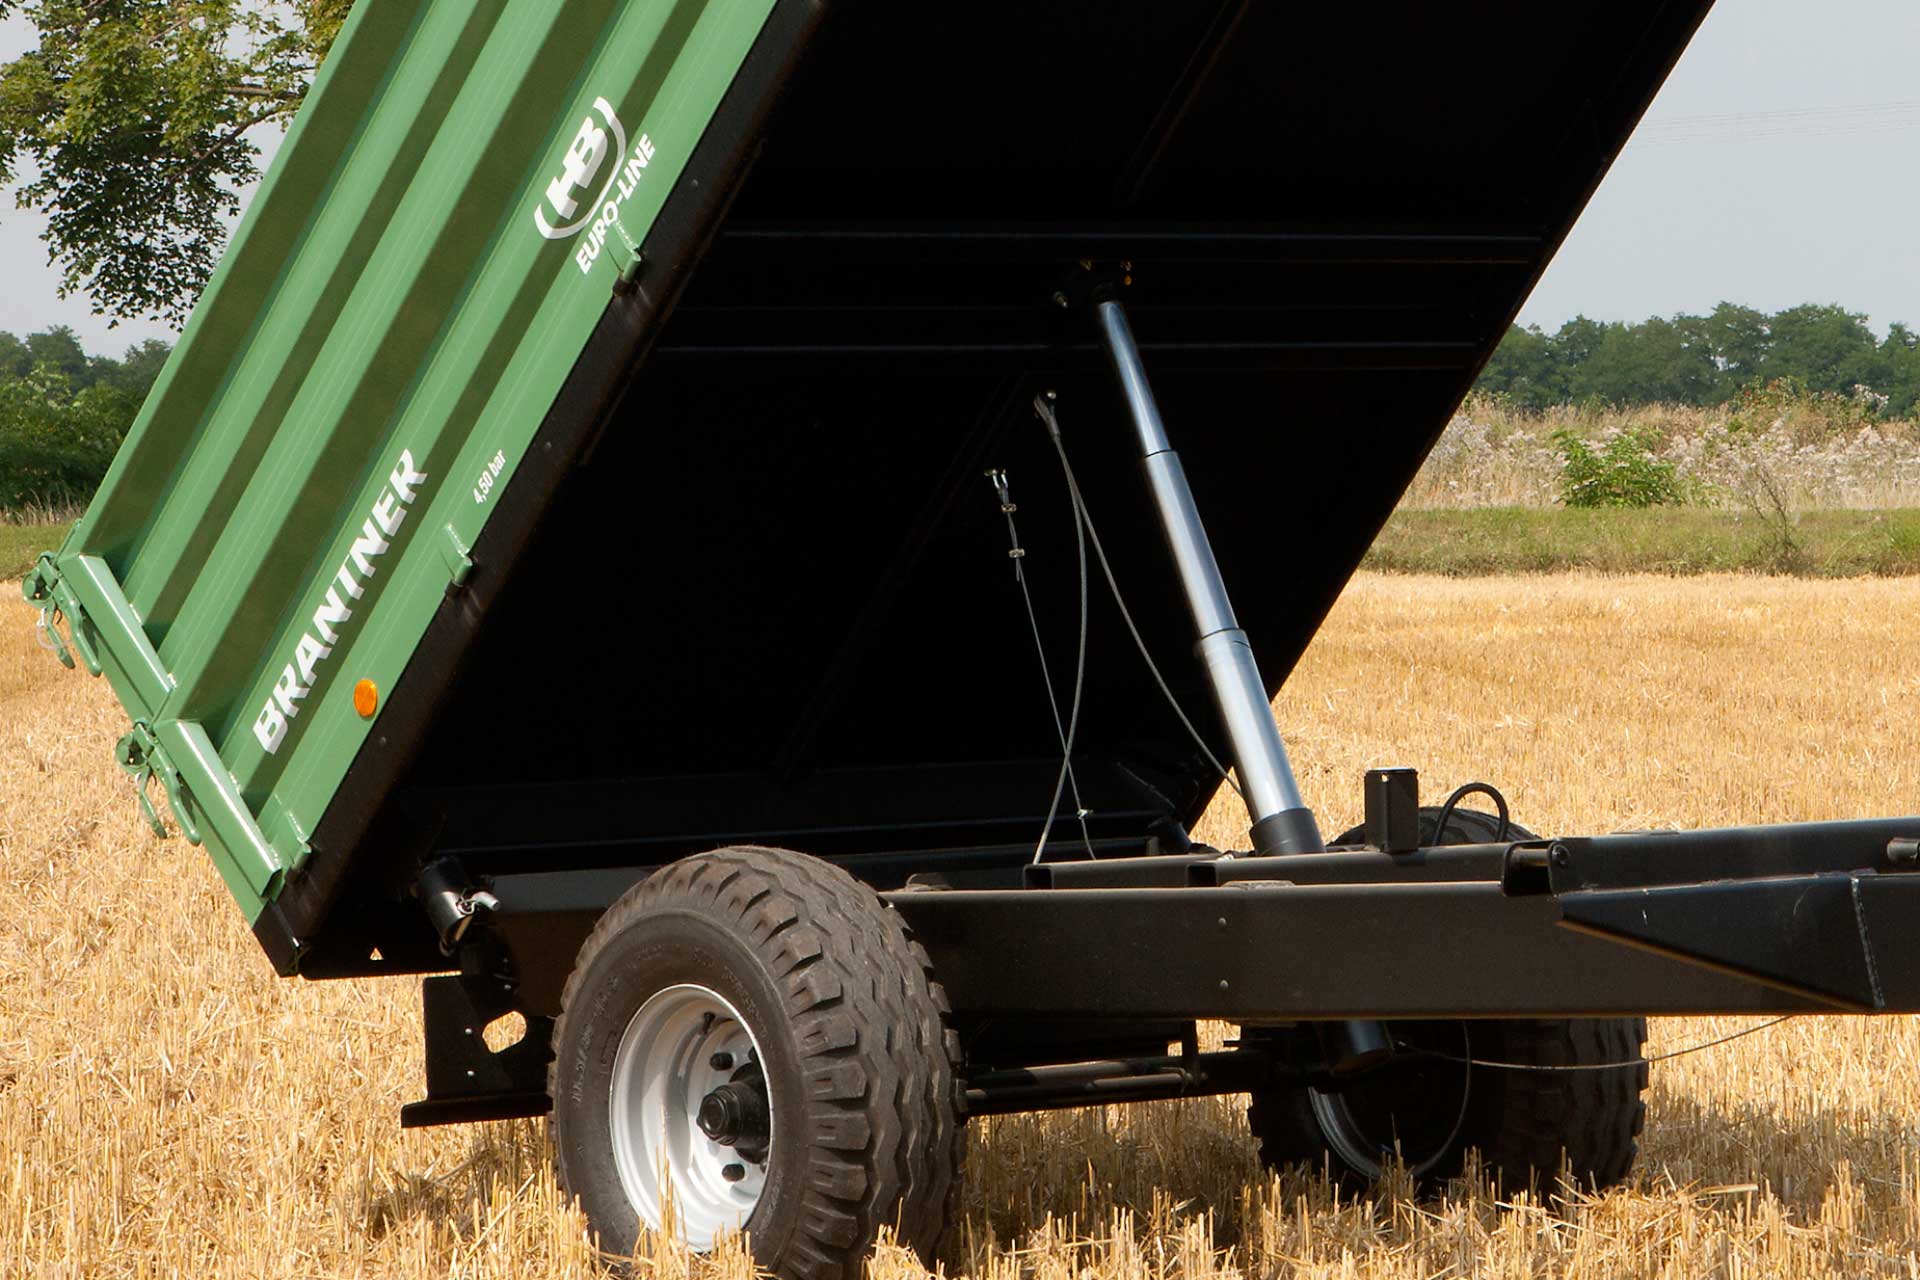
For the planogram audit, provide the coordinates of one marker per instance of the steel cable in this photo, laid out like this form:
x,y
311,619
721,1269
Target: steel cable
x,y
1598,1066
1068,731
1044,407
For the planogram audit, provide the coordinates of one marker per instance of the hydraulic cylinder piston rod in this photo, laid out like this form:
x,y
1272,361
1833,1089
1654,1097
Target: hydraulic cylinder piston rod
x,y
1281,821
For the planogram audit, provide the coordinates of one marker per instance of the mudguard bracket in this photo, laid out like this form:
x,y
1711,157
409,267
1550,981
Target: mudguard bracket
x,y
467,1081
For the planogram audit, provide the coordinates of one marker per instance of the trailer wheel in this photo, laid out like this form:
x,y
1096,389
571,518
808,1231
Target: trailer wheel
x,y
753,1035
1430,1113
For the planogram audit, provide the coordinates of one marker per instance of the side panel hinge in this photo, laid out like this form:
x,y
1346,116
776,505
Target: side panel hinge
x,y
103,628
205,802
142,756
456,555
47,588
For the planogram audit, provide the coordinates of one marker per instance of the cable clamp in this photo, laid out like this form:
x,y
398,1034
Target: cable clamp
x,y
998,478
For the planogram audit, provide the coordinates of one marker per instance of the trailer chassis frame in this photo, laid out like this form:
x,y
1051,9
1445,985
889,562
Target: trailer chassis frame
x,y
1765,920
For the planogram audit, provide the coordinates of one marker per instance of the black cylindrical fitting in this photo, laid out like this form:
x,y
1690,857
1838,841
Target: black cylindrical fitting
x,y
1289,831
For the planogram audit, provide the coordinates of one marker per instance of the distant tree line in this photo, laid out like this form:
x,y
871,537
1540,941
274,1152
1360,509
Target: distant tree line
x,y
63,414
1706,360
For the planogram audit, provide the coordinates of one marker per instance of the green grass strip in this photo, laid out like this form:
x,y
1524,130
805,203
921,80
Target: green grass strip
x,y
21,545
1669,540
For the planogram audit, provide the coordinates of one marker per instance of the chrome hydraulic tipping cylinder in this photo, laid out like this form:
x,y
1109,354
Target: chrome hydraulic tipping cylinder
x,y
1280,819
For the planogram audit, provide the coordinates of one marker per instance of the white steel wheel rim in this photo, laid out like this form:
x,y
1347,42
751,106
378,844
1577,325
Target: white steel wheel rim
x,y
662,1071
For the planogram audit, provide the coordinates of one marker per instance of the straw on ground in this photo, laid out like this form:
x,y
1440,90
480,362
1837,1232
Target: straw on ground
x,y
169,1108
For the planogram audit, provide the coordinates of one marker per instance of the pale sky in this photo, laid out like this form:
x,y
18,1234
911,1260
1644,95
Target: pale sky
x,y
1785,203
1781,164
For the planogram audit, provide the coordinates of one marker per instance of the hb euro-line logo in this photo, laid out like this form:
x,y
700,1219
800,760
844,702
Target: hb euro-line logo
x,y
580,198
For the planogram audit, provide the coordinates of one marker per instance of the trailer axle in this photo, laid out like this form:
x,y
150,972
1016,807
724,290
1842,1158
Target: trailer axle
x,y
1088,1084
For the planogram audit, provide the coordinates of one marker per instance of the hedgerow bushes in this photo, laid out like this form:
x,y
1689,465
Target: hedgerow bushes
x,y
56,443
63,415
1774,446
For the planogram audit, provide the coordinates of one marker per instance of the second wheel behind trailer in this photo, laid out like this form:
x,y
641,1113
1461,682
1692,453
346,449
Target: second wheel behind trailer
x,y
1564,1099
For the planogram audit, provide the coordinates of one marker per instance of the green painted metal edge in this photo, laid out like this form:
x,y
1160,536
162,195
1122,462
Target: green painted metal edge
x,y
131,665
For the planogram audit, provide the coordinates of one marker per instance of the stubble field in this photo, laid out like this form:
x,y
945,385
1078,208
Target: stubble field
x,y
169,1108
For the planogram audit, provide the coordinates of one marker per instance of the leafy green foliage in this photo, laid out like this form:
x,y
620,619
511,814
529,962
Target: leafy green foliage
x,y
132,125
58,349
56,443
1626,471
1705,360
63,416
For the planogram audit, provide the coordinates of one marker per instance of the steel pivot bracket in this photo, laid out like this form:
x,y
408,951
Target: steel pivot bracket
x,y
142,756
1089,282
467,1081
451,901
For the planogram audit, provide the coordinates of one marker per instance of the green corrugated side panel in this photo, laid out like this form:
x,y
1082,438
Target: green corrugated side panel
x,y
369,365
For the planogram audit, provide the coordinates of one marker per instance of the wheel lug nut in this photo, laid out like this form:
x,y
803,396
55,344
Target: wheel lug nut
x,y
734,1172
721,1062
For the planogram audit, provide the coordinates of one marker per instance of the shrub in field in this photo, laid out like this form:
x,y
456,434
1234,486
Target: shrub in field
x,y
1625,471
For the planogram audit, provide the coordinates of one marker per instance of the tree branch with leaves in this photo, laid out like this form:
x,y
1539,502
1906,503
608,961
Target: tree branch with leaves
x,y
132,127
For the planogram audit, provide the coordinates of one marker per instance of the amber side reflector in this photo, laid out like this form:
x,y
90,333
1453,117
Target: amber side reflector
x,y
366,699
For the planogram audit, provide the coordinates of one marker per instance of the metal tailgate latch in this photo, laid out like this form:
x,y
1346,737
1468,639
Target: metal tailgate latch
x,y
451,901
142,756
47,588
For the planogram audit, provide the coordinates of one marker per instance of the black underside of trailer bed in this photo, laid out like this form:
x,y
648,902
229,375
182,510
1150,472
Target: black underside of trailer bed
x,y
751,584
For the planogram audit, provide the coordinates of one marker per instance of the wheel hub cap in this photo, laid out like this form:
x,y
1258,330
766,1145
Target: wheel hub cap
x,y
735,1115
